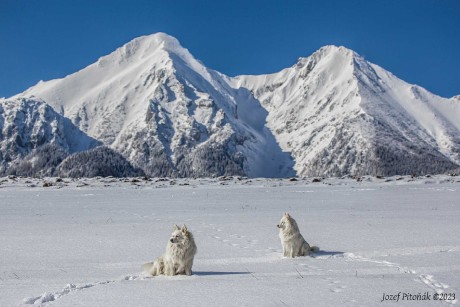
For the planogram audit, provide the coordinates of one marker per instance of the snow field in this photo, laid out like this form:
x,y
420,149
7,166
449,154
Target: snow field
x,y
84,246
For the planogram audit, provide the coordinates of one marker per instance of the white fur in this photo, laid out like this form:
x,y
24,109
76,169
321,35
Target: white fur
x,y
178,259
294,245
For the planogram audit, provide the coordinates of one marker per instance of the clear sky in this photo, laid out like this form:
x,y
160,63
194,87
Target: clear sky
x,y
417,40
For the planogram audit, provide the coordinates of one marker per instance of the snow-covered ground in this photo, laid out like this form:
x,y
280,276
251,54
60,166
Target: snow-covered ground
x,y
82,243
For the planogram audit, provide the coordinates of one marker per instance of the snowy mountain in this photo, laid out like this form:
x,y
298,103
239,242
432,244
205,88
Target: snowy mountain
x,y
27,124
332,113
339,114
167,113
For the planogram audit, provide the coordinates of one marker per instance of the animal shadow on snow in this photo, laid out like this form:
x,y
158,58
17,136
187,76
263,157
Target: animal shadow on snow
x,y
326,254
214,273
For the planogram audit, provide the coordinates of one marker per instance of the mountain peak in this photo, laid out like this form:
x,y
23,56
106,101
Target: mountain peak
x,y
336,49
156,46
159,40
333,51
330,55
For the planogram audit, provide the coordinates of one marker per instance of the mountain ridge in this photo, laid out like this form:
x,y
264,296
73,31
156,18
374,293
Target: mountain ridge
x,y
330,114
337,85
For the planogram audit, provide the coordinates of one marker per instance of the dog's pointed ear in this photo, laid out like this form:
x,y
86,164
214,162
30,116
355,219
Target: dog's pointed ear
x,y
175,227
184,229
287,215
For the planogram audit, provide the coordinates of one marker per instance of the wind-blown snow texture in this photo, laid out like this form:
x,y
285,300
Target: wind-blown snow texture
x,y
82,242
332,113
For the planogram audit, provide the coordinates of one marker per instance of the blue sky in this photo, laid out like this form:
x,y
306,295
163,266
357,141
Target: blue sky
x,y
417,40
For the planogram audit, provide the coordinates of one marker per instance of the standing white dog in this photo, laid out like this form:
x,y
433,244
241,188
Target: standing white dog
x,y
178,259
294,245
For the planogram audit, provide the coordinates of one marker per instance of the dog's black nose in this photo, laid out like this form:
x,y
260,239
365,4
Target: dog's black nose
x,y
171,240
278,226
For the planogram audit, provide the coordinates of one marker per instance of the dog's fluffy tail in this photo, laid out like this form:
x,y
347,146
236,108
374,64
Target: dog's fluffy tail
x,y
146,267
155,267
314,249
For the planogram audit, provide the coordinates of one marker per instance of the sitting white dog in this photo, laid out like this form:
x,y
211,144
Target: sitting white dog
x,y
294,245
178,259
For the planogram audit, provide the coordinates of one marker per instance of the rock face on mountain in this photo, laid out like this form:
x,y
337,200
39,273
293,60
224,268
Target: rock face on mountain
x,y
331,114
27,124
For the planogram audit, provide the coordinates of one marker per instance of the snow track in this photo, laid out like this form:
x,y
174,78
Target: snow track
x,y
72,288
427,279
306,270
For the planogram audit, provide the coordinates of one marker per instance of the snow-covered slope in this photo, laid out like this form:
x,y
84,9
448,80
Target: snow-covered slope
x,y
166,112
26,124
339,114
332,113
